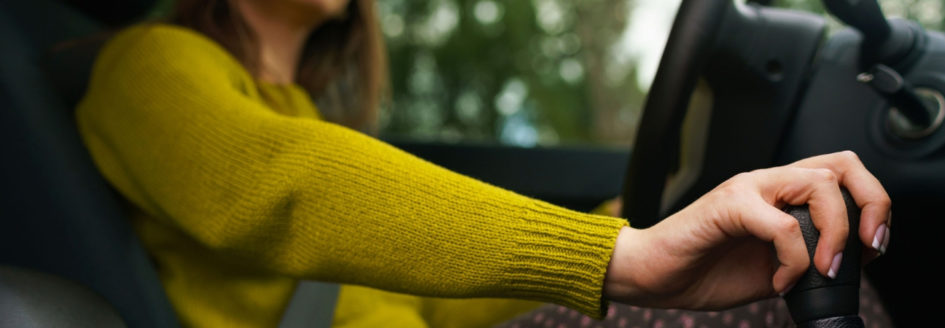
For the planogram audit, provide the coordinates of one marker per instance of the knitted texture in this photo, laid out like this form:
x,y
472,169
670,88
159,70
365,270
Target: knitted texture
x,y
237,199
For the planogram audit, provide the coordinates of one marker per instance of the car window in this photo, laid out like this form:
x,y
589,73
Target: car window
x,y
537,72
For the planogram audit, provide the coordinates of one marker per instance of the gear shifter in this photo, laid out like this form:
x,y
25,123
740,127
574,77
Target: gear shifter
x,y
820,302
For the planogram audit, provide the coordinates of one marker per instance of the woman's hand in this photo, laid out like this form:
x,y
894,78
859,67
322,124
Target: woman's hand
x,y
717,252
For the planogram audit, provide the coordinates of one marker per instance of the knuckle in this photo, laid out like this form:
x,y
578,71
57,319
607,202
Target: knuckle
x,y
727,191
789,225
884,202
838,224
739,179
849,156
825,175
843,229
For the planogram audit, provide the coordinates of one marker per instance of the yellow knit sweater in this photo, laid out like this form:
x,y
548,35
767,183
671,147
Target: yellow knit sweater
x,y
238,198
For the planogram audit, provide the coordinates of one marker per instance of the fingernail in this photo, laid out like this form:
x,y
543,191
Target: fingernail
x,y
885,242
835,266
786,290
879,238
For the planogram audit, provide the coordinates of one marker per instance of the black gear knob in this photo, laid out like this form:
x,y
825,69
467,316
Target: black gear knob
x,y
816,300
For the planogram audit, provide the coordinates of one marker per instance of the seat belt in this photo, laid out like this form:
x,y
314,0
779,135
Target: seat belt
x,y
312,305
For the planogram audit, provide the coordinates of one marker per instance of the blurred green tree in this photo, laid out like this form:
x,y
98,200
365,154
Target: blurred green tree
x,y
520,72
538,72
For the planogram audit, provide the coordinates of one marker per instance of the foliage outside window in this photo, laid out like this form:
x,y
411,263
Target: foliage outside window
x,y
537,72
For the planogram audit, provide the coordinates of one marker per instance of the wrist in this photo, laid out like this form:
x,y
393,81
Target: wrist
x,y
619,284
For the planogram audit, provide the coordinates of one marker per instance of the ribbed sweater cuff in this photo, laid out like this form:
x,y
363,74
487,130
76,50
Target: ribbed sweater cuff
x,y
563,257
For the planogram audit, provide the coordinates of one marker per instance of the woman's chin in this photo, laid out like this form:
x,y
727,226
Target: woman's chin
x,y
322,8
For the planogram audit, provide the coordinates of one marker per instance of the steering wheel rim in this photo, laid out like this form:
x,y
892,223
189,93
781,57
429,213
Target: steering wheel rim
x,y
692,37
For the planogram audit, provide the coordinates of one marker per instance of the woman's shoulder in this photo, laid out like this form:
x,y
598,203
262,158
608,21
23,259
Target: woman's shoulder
x,y
166,45
161,31
163,37
164,54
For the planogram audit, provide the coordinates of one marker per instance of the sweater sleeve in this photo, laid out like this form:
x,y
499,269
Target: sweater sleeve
x,y
169,123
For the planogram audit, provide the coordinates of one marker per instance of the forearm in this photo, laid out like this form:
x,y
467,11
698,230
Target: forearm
x,y
399,223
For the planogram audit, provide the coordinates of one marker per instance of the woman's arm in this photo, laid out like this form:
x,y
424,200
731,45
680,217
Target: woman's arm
x,y
168,121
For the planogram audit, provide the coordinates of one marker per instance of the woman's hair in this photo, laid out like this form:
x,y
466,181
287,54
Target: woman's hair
x,y
343,63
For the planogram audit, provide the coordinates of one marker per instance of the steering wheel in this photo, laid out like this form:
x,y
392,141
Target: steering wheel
x,y
657,141
756,85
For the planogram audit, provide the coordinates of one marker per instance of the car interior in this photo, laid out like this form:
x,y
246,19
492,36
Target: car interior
x,y
740,86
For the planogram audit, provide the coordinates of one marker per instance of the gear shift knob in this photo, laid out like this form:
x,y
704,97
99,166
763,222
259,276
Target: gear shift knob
x,y
816,300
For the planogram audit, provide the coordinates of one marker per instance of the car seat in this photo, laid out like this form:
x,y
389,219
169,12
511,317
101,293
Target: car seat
x,y
57,214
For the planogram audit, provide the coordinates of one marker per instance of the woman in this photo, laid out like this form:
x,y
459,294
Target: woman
x,y
207,127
